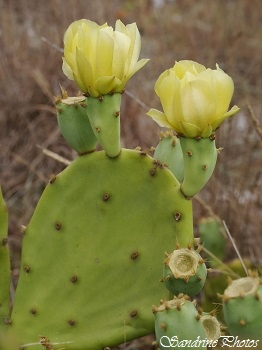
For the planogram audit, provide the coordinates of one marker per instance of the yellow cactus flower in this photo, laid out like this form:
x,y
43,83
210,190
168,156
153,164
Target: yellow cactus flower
x,y
195,100
101,60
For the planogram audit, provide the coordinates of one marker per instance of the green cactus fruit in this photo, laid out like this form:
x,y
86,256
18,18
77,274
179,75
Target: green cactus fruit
x,y
242,307
184,272
200,156
169,152
74,124
177,325
5,269
104,116
90,272
212,236
217,281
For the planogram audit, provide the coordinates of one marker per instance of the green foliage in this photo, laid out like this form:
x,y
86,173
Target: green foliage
x,y
93,252
212,237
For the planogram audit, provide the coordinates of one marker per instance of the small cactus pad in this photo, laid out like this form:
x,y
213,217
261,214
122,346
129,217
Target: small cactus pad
x,y
169,152
177,324
104,116
242,307
92,253
5,269
184,272
200,156
74,124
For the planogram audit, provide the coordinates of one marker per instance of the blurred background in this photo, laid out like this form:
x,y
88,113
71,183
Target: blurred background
x,y
227,32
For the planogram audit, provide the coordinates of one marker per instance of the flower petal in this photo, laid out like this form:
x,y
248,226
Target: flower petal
x,y
228,114
198,103
159,117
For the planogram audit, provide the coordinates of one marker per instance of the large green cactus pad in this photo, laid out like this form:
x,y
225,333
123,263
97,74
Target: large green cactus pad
x,y
93,252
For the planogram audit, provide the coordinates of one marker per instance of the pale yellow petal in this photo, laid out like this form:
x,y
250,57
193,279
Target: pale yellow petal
x,y
198,103
67,70
159,117
184,66
122,44
228,114
104,54
84,71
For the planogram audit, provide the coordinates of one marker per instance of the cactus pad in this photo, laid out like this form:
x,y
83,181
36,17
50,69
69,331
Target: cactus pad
x,y
90,272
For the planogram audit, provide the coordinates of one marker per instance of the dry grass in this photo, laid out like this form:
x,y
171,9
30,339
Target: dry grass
x,y
227,32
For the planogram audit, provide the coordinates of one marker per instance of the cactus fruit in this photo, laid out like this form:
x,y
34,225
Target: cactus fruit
x,y
90,272
5,269
242,307
212,237
74,124
169,152
178,325
184,272
104,116
200,156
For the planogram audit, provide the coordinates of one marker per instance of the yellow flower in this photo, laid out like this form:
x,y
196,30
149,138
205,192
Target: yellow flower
x,y
195,100
101,60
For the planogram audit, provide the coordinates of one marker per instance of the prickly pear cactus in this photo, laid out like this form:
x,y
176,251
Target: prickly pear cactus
x,y
90,272
242,307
